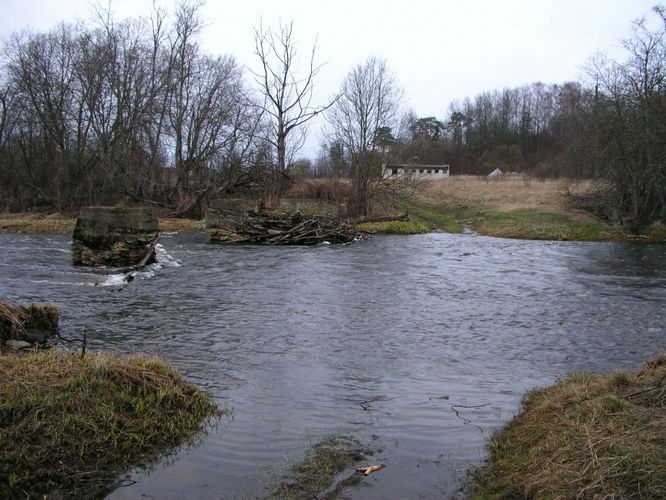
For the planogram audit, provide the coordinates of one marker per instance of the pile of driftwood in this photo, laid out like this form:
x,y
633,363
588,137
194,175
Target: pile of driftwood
x,y
276,228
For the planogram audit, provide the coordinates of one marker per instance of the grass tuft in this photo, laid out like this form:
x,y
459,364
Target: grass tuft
x,y
71,425
27,322
587,436
317,471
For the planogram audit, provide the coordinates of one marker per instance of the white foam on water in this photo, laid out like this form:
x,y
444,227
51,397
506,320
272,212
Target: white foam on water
x,y
163,258
116,280
121,280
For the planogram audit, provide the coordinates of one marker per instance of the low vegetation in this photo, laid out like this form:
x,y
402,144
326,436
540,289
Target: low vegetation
x,y
314,476
430,216
57,223
538,225
589,436
172,224
71,424
393,227
522,207
28,323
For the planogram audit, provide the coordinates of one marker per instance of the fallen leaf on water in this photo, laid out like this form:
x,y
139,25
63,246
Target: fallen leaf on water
x,y
370,469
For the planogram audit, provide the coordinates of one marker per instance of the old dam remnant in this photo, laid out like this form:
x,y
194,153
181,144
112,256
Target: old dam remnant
x,y
115,236
264,227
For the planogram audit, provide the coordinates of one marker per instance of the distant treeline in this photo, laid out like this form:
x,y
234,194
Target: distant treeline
x,y
134,112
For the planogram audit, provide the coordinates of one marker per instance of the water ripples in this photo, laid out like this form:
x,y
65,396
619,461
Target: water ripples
x,y
420,346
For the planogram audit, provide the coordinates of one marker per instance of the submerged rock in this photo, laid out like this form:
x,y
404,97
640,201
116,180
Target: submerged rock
x,y
116,237
17,344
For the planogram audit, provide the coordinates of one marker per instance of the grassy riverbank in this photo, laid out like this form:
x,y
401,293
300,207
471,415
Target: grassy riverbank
x,y
587,436
393,227
511,207
58,223
71,425
521,207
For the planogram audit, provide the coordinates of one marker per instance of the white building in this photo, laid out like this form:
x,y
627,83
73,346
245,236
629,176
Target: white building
x,y
424,172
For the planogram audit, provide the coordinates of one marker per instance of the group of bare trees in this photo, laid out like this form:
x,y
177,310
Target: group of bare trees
x,y
133,112
124,111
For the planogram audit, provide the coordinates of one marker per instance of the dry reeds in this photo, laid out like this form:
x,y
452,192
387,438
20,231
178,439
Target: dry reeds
x,y
36,223
585,437
11,321
24,322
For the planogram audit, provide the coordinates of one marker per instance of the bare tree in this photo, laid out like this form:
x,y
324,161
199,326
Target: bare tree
x,y
365,112
287,93
630,121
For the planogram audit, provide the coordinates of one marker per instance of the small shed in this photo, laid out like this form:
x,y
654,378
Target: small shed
x,y
496,173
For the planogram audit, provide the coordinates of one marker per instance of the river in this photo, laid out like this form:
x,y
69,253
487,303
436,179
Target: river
x,y
420,347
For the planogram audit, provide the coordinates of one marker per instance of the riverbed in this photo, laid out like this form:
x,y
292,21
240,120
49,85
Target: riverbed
x,y
420,347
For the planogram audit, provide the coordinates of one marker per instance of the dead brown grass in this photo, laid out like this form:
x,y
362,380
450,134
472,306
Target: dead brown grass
x,y
31,323
589,436
172,224
506,194
56,223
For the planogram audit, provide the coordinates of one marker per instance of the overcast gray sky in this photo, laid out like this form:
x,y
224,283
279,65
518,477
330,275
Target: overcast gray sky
x,y
439,51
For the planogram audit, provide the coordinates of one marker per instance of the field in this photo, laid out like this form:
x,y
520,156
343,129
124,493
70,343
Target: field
x,y
522,207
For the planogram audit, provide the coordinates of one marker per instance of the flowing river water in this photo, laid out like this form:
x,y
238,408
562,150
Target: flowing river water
x,y
420,347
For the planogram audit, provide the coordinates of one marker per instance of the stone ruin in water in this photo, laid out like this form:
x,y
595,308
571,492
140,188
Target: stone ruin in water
x,y
115,237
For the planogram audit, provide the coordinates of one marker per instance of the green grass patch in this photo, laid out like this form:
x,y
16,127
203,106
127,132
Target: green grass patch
x,y
70,425
537,225
393,227
655,232
431,215
589,436
313,475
